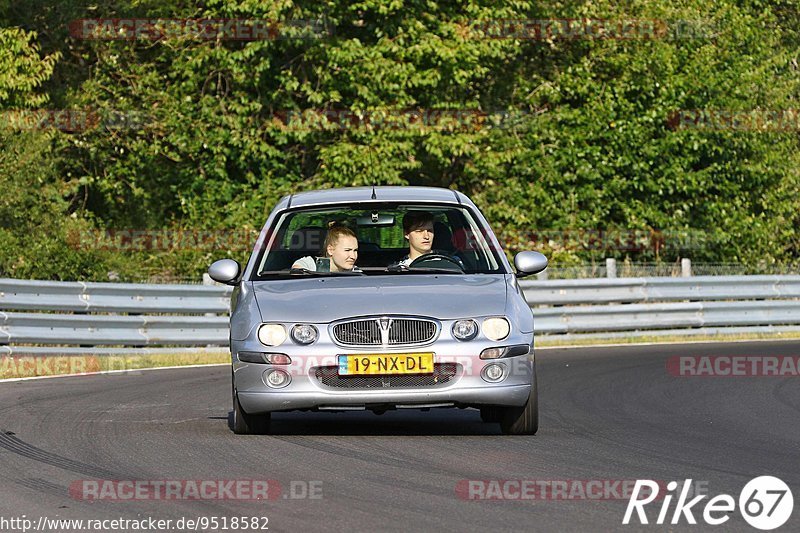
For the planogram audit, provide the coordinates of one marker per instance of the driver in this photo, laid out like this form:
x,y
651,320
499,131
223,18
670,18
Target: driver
x,y
418,231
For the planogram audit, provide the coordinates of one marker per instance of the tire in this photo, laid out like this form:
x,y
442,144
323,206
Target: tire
x,y
522,420
490,415
246,424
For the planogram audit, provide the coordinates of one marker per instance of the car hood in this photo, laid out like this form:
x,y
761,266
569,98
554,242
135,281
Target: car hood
x,y
322,300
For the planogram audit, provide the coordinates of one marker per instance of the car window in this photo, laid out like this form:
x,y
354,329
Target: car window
x,y
381,241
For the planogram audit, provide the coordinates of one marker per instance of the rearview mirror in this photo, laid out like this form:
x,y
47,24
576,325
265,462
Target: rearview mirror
x,y
376,219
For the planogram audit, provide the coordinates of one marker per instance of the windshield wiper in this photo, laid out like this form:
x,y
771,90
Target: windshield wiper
x,y
307,272
293,273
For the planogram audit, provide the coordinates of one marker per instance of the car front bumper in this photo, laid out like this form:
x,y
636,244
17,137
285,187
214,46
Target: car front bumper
x,y
467,386
259,402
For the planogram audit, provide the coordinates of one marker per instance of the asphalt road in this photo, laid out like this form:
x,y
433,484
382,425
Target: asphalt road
x,y
607,414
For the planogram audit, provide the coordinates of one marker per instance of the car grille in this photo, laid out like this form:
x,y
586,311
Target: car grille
x,y
443,374
384,332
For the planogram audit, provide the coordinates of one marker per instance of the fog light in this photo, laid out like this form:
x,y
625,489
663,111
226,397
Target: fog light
x,y
278,378
493,373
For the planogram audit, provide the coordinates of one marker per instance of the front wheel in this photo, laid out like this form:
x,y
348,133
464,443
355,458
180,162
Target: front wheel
x,y
247,424
522,420
490,415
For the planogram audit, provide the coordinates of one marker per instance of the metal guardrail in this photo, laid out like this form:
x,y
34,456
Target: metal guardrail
x,y
589,319
661,306
599,291
131,330
80,317
45,316
19,295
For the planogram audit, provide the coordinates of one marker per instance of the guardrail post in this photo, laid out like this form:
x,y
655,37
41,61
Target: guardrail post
x,y
686,267
611,267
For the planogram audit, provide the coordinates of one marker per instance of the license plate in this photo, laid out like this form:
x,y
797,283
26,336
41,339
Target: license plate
x,y
385,364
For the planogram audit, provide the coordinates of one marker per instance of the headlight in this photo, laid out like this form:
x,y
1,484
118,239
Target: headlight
x,y
304,333
272,334
496,328
465,330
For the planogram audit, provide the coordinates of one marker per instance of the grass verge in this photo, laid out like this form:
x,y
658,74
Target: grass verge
x,y
26,366
544,342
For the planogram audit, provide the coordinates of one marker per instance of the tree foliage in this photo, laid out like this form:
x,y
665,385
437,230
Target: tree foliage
x,y
586,140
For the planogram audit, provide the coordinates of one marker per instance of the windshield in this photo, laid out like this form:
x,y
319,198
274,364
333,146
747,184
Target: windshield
x,y
441,239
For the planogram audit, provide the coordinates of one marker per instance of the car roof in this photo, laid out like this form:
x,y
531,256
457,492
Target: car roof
x,y
376,194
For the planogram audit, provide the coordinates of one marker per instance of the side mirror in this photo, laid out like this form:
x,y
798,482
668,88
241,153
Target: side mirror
x,y
225,271
528,263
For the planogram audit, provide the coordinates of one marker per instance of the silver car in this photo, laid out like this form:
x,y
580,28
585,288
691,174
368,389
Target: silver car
x,y
449,329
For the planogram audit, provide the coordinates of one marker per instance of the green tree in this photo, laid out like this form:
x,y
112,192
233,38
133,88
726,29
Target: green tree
x,y
590,141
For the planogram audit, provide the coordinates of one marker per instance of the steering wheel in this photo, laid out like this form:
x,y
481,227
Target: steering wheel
x,y
453,262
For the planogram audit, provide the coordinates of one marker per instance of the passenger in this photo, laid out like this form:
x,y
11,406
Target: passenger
x,y
418,231
341,252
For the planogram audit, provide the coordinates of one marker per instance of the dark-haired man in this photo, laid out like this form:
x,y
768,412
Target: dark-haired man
x,y
418,231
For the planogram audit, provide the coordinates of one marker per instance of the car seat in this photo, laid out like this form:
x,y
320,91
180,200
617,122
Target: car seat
x,y
442,237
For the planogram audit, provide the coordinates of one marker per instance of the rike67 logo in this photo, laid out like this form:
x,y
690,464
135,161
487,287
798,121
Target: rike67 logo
x,y
765,503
